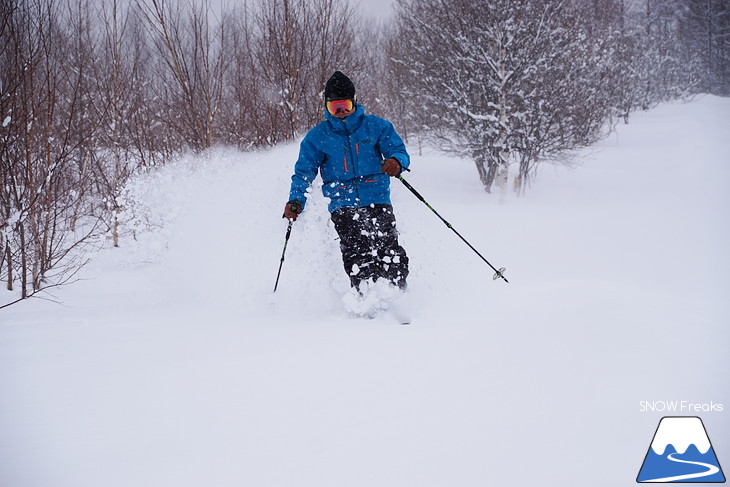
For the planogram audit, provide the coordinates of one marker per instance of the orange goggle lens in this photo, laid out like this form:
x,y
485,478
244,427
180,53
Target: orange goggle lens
x,y
340,106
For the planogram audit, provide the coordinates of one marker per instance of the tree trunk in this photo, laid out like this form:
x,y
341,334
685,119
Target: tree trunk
x,y
23,263
503,175
116,224
9,259
487,170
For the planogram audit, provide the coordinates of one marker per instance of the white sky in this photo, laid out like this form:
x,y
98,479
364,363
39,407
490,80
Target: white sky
x,y
380,9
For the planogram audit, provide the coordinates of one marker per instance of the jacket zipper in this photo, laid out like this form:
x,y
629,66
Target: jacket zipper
x,y
354,165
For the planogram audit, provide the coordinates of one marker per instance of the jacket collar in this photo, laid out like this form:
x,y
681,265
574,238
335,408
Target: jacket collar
x,y
348,124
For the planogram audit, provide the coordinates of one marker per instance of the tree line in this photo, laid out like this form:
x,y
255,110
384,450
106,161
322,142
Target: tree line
x,y
510,83
92,93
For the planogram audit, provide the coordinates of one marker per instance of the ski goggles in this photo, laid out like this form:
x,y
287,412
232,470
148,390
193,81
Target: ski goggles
x,y
340,106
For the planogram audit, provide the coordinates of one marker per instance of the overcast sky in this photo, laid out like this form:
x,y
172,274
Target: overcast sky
x,y
381,9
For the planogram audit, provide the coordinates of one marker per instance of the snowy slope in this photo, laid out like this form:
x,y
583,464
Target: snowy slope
x,y
173,363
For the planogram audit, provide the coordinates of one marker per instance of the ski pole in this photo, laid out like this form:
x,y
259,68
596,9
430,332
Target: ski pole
x,y
286,241
499,273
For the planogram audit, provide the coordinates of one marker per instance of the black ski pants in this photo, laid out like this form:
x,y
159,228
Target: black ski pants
x,y
369,245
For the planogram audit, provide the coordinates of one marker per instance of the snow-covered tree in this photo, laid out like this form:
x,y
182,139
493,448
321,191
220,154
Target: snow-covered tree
x,y
704,27
497,82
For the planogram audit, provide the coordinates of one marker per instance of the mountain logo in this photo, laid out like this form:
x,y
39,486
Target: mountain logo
x,y
681,452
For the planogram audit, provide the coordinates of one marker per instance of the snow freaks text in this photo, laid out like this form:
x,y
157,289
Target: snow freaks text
x,y
680,407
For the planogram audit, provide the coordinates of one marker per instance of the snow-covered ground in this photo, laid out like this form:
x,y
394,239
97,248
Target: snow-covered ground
x,y
173,364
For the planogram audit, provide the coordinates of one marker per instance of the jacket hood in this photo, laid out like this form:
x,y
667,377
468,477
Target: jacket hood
x,y
348,124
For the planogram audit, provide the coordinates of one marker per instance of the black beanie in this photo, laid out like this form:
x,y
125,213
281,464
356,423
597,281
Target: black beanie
x,y
339,87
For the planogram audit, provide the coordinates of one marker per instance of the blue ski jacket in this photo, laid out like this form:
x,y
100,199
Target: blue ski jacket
x,y
349,154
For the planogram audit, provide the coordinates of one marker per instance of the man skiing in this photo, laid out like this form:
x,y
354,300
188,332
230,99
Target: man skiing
x,y
356,154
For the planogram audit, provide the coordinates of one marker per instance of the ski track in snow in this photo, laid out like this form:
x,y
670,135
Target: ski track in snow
x,y
173,363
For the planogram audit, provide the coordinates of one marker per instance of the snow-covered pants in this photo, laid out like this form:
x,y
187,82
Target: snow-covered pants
x,y
369,245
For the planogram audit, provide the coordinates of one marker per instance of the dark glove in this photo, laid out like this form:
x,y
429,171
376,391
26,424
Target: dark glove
x,y
392,167
292,210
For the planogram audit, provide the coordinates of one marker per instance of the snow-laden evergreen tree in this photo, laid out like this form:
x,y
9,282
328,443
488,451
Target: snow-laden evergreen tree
x,y
498,82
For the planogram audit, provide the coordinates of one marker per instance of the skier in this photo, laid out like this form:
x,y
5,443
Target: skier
x,y
356,154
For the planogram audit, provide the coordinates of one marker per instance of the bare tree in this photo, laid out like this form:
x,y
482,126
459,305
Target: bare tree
x,y
284,56
120,150
46,72
8,85
190,44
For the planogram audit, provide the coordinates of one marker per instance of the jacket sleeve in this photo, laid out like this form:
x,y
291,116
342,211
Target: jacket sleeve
x,y
391,145
305,170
